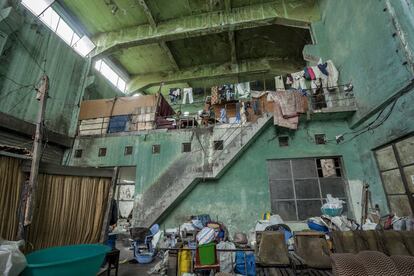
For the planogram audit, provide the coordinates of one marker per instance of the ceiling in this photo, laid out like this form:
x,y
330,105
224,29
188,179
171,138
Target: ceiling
x,y
187,42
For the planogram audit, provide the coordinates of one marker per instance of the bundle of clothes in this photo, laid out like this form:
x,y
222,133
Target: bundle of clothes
x,y
288,105
323,77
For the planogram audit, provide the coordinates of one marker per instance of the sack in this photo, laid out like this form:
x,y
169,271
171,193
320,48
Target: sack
x,y
240,238
245,263
226,258
12,260
206,235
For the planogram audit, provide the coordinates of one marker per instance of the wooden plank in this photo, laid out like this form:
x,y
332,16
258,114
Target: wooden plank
x,y
94,126
49,168
105,224
95,121
91,132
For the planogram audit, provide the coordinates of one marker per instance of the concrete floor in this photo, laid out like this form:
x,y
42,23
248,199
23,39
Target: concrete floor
x,y
126,267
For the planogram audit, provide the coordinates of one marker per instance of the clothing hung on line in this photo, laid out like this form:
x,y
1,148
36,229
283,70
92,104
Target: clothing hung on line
x,y
243,118
333,75
279,85
215,95
243,90
175,94
223,116
189,92
298,80
287,106
238,116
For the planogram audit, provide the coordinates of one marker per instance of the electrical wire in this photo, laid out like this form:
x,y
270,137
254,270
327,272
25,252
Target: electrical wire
x,y
12,80
8,93
21,100
21,42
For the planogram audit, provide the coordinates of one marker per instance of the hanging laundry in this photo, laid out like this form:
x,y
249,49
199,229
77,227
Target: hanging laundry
x,y
243,118
281,121
223,116
174,94
256,106
333,75
215,95
323,68
243,90
289,79
279,85
238,117
287,107
308,73
299,80
188,91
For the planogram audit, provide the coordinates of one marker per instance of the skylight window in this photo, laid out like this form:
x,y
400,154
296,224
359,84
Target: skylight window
x,y
106,70
43,10
65,32
83,46
37,6
50,18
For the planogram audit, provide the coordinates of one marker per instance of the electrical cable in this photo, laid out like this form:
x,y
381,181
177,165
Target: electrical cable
x,y
8,93
23,45
12,80
21,100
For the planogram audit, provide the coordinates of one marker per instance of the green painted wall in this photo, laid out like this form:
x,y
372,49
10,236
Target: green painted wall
x,y
358,37
242,193
29,51
64,67
149,166
363,49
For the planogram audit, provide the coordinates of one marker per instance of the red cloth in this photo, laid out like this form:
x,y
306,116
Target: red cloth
x,y
311,73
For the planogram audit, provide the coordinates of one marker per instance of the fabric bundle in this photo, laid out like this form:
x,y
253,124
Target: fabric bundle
x,y
287,107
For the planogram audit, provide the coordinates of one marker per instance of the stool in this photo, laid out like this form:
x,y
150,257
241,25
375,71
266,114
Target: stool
x,y
112,259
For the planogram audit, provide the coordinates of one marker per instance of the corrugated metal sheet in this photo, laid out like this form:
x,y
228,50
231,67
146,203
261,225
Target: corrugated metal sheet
x,y
51,154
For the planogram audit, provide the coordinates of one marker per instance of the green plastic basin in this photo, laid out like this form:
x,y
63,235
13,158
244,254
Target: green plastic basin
x,y
84,259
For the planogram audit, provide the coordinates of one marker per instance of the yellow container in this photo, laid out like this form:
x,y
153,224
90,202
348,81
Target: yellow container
x,y
184,262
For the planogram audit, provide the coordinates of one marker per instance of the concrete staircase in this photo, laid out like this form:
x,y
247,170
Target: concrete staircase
x,y
188,169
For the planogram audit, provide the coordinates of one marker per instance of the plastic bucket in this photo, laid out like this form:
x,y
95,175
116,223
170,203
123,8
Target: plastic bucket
x,y
207,254
84,259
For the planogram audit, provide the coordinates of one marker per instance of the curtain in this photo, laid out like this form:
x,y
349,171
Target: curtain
x,y
69,210
11,178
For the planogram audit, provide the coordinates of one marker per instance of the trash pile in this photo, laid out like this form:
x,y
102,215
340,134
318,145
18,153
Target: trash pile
x,y
201,244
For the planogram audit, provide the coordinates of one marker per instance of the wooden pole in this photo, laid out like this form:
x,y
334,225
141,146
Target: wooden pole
x,y
42,94
108,211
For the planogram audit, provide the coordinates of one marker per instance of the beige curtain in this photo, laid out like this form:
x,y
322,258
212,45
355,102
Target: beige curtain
x,y
11,178
69,210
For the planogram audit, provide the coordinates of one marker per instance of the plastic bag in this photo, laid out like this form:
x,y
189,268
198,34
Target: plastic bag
x,y
333,206
245,263
206,235
368,225
12,260
227,259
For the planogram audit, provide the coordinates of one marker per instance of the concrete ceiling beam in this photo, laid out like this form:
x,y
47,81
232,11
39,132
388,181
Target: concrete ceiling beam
x,y
277,12
233,52
153,24
274,66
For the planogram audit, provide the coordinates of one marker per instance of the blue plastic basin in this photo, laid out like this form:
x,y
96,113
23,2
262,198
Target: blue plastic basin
x,y
84,259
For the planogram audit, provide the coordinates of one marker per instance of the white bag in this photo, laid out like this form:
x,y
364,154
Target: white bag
x,y
227,259
12,261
